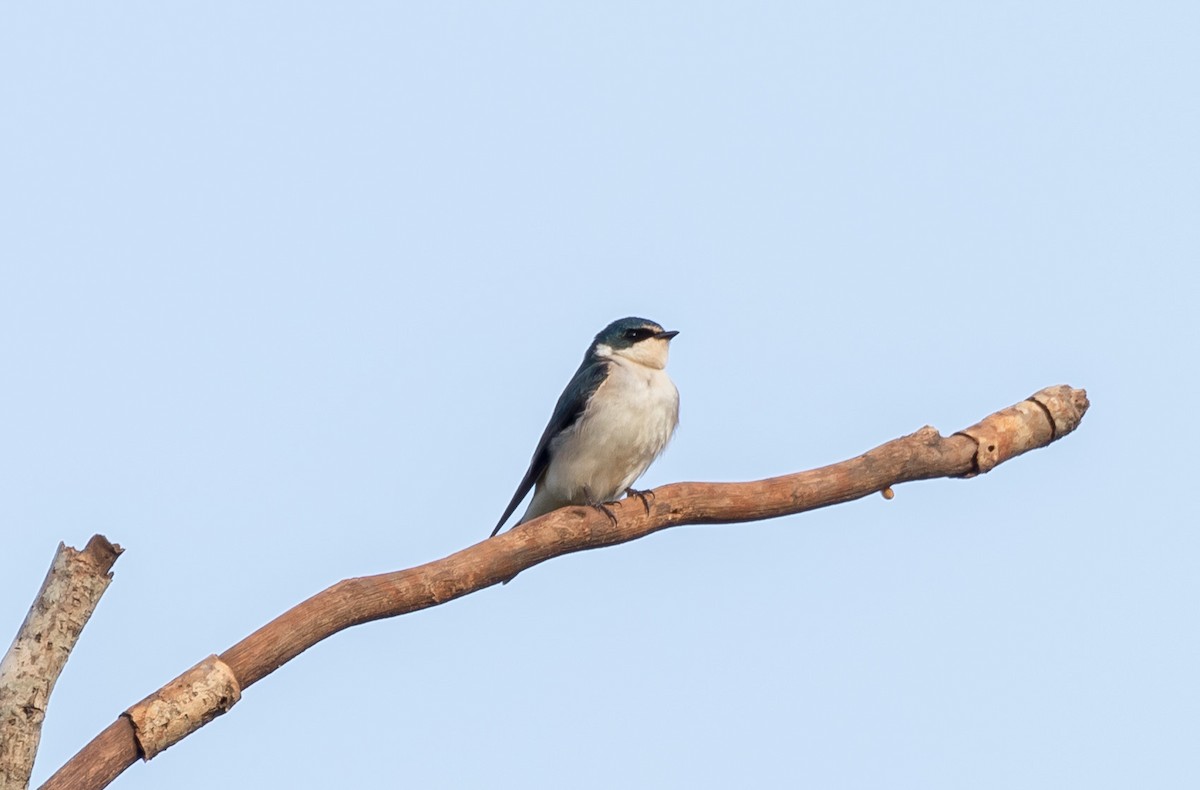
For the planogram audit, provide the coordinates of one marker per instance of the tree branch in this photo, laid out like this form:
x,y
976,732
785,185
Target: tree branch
x,y
68,596
141,731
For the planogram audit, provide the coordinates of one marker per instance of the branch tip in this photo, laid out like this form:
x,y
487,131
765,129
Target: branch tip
x,y
101,553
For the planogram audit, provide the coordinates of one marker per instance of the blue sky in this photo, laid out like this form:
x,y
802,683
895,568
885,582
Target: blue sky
x,y
287,292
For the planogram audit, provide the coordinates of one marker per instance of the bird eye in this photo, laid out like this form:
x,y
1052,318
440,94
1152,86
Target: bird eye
x,y
638,334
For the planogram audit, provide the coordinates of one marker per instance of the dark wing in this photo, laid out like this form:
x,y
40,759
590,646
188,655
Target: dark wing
x,y
571,403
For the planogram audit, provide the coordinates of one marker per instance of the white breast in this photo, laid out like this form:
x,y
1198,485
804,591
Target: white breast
x,y
628,423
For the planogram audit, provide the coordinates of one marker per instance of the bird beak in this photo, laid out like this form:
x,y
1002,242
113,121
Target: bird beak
x,y
667,335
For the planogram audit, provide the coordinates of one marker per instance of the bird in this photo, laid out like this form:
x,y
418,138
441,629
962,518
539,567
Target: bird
x,y
615,417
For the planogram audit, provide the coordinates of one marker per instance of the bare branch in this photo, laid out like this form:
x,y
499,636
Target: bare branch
x,y
1045,416
69,595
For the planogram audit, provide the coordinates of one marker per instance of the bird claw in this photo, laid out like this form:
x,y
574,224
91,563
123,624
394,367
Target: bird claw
x,y
603,508
645,496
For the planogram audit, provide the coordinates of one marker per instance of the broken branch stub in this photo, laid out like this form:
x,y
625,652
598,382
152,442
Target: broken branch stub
x,y
68,597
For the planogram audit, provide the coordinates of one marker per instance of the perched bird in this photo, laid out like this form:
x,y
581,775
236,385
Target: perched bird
x,y
614,418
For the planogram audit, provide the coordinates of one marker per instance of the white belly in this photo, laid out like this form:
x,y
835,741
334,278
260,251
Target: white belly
x,y
627,424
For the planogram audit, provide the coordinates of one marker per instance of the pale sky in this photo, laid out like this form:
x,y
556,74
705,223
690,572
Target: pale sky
x,y
288,291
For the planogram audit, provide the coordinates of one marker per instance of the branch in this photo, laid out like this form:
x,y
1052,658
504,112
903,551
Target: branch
x,y
174,711
69,595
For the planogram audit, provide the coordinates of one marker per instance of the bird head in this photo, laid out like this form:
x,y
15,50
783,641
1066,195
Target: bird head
x,y
635,339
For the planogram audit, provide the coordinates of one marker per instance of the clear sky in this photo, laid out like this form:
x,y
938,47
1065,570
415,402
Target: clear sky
x,y
288,290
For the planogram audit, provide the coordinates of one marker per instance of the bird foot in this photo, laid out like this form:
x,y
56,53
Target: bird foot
x,y
603,507
645,496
